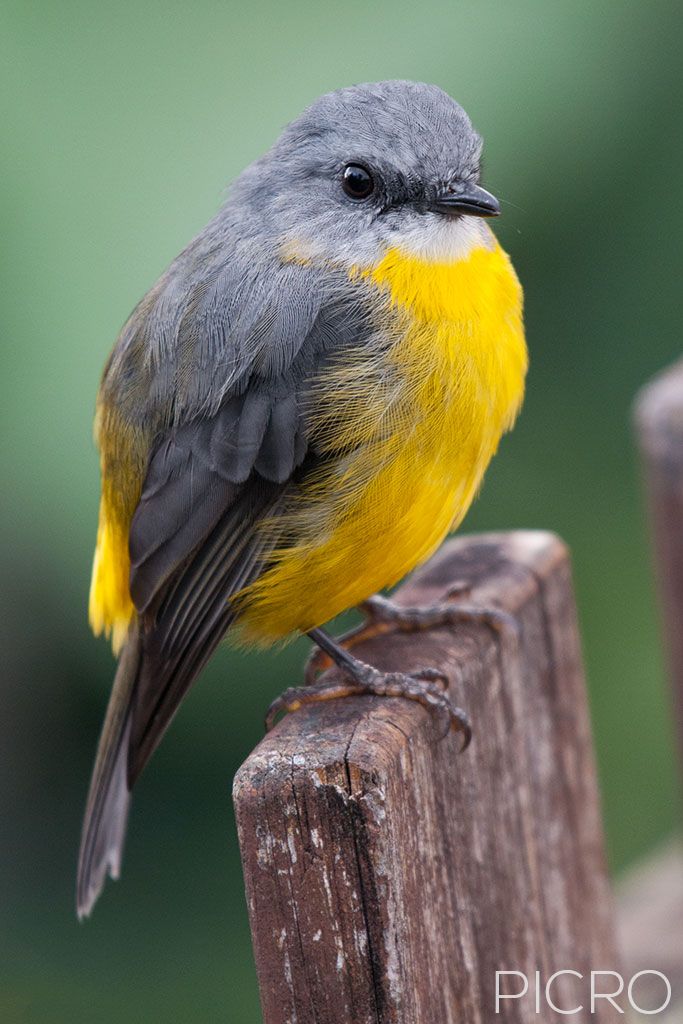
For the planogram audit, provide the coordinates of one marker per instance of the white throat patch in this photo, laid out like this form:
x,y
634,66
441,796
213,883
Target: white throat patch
x,y
438,239
430,237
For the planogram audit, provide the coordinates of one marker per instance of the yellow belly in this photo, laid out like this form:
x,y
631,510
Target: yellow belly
x,y
421,420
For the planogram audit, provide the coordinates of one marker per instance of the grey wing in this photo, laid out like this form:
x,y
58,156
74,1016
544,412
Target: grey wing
x,y
214,364
194,538
221,317
194,543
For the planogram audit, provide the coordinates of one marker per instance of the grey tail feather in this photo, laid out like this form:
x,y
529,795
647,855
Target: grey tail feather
x,y
106,812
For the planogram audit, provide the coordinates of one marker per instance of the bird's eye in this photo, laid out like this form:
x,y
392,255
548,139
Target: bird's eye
x,y
357,182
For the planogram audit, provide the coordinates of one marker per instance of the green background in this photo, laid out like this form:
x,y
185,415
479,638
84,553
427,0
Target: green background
x,y
122,124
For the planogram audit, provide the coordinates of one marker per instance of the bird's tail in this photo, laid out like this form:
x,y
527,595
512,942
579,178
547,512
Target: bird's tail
x,y
106,812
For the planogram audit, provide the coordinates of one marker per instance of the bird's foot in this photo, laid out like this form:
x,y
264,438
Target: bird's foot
x,y
425,686
385,616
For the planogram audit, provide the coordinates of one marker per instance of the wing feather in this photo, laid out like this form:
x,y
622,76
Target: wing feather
x,y
208,385
192,619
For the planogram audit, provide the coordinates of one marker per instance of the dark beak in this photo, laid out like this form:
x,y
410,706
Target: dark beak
x,y
470,199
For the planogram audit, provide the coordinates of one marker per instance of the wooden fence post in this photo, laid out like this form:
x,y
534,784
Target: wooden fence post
x,y
389,878
659,424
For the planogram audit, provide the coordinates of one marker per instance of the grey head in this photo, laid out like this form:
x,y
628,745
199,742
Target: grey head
x,y
368,167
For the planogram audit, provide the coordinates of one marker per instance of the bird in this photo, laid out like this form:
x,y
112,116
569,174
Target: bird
x,y
296,415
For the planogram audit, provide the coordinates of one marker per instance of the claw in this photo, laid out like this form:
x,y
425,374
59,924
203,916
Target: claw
x,y
316,663
412,619
298,696
382,616
431,675
426,686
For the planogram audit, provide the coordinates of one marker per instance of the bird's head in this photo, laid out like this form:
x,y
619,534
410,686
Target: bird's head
x,y
363,169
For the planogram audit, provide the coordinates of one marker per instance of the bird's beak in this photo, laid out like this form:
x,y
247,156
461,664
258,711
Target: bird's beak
x,y
470,199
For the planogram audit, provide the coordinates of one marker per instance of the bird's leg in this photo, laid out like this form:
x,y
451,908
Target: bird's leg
x,y
425,686
385,616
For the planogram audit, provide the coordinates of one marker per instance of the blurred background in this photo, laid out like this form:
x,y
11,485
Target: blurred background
x,y
122,125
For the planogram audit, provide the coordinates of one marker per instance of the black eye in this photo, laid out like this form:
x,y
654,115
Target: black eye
x,y
357,182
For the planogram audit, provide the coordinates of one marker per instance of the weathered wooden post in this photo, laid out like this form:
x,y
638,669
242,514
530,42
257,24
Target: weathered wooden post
x,y
651,904
659,423
388,878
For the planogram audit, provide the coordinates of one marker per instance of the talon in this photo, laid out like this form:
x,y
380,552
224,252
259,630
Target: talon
x,y
377,609
432,675
382,615
463,725
297,697
316,663
458,588
426,686
370,607
500,621
284,703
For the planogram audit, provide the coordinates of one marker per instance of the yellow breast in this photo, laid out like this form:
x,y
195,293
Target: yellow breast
x,y
420,417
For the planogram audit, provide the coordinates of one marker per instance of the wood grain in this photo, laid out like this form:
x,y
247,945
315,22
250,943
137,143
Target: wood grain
x,y
388,878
